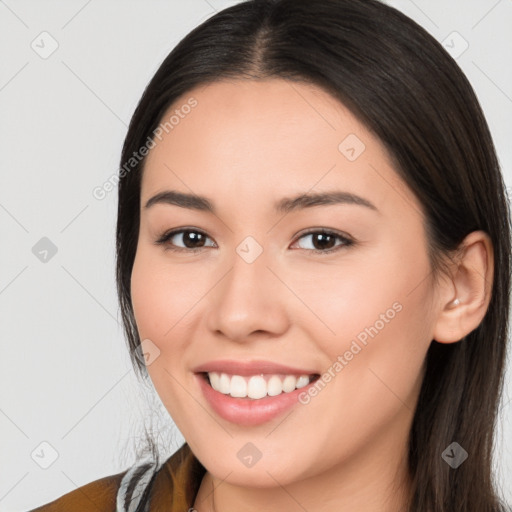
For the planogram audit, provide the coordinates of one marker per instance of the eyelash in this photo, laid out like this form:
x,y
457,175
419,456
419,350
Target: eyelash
x,y
166,236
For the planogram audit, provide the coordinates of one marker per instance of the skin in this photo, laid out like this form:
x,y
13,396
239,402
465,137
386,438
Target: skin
x,y
245,145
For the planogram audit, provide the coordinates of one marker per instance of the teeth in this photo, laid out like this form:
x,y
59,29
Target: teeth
x,y
289,383
302,381
274,386
224,384
256,386
238,387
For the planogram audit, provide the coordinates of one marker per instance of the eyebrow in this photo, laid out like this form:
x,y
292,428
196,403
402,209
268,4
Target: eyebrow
x,y
284,205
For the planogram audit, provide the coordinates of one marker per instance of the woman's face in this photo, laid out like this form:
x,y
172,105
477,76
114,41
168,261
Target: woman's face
x,y
262,301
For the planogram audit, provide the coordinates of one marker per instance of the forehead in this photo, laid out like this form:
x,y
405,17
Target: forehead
x,y
265,139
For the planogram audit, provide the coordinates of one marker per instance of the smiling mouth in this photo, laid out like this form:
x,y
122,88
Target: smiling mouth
x,y
259,386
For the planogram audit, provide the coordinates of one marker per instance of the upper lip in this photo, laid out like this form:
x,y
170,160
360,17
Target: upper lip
x,y
250,368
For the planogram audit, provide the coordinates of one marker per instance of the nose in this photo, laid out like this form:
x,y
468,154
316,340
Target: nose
x,y
249,302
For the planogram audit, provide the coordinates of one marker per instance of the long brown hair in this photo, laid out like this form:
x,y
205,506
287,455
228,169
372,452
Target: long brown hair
x,y
405,88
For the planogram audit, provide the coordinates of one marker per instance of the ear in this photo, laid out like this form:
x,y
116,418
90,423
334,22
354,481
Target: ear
x,y
471,283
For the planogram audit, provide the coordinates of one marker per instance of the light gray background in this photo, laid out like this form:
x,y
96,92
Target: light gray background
x,y
66,378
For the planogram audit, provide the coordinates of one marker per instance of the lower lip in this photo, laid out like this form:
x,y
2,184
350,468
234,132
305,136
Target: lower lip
x,y
248,411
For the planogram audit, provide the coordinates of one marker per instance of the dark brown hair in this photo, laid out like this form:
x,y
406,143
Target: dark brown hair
x,y
407,90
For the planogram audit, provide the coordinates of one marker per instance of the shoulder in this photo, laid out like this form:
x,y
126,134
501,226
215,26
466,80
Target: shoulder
x,y
146,486
98,495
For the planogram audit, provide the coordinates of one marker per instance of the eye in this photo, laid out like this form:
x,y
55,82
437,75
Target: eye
x,y
324,241
192,239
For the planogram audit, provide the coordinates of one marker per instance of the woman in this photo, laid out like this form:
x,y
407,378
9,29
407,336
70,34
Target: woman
x,y
337,337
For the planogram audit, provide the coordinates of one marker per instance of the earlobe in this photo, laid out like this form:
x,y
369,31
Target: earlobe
x,y
471,283
449,323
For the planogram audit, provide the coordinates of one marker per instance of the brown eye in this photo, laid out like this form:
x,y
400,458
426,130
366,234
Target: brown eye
x,y
190,238
325,241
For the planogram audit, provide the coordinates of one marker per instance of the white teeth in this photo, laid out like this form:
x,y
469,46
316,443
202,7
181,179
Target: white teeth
x,y
224,384
238,387
302,381
256,386
215,380
289,383
274,386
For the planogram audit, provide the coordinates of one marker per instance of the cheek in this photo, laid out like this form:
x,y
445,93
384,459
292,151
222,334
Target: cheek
x,y
161,300
360,297
371,321
161,297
